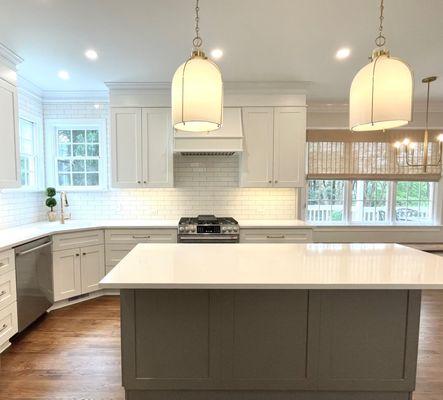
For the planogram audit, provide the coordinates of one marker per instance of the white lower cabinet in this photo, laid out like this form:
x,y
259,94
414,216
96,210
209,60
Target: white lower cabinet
x,y
276,235
8,299
77,271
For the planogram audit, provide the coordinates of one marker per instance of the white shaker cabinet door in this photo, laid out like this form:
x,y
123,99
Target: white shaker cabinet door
x,y
9,149
157,136
126,147
92,267
66,274
289,146
257,157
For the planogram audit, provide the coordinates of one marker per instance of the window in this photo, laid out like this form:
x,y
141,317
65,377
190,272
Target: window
x,y
76,156
413,202
28,153
370,202
326,201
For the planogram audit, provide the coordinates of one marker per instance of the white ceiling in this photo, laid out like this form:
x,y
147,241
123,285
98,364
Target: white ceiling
x,y
263,40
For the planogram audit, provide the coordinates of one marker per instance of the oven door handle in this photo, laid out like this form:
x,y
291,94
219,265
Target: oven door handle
x,y
208,237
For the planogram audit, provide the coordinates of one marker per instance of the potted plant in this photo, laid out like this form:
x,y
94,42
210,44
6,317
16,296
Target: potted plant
x,y
51,202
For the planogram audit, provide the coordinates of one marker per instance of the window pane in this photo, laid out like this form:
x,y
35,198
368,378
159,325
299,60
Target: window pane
x,y
93,150
78,136
78,150
64,136
27,152
64,179
64,150
78,179
413,202
370,201
92,179
325,201
92,136
92,165
63,166
78,165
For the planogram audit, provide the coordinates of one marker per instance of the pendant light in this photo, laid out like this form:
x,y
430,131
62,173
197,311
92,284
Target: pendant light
x,y
381,92
197,90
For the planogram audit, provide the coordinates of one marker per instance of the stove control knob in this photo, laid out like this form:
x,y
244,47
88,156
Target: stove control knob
x,y
235,229
187,229
193,230
224,229
181,228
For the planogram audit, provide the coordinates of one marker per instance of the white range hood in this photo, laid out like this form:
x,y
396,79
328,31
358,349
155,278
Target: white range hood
x,y
225,141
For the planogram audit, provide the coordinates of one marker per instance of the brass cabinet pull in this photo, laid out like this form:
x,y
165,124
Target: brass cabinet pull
x,y
269,181
139,182
77,255
145,182
83,254
140,237
275,236
275,181
4,326
2,264
2,293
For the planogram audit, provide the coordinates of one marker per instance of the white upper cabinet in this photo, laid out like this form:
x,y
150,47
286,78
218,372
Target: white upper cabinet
x,y
257,158
289,146
157,154
126,147
274,148
141,147
9,149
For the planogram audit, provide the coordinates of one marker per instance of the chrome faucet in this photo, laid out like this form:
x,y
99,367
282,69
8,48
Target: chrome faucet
x,y
63,203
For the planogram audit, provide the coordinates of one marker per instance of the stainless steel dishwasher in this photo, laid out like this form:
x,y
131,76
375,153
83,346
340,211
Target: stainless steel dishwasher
x,y
33,264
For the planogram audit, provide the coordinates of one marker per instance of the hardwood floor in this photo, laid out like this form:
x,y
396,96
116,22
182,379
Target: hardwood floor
x,y
74,354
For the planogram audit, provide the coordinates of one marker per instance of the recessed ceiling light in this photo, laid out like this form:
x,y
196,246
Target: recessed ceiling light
x,y
217,53
63,75
343,53
91,54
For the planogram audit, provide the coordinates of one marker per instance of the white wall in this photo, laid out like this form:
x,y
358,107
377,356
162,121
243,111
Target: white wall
x,y
202,185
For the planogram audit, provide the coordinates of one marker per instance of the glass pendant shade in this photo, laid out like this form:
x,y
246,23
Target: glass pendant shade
x,y
381,95
197,95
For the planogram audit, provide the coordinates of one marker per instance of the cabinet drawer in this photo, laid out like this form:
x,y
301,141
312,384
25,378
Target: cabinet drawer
x,y
66,241
8,289
8,322
135,236
276,235
7,261
115,252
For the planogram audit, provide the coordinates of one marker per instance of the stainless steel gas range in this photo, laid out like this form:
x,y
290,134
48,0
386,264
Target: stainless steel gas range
x,y
208,229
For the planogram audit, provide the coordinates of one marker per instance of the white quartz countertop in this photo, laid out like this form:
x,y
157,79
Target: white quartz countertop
x,y
276,266
24,233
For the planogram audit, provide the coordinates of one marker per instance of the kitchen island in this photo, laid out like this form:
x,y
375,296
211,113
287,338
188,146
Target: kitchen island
x,y
280,321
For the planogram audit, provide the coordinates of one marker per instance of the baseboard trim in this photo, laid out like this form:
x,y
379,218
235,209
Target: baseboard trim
x,y
68,302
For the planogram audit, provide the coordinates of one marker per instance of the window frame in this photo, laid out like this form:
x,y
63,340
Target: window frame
x,y
52,126
437,193
38,144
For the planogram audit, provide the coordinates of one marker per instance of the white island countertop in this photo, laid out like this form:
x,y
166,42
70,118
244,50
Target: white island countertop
x,y
276,266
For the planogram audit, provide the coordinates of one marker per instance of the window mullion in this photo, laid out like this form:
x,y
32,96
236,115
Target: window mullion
x,y
348,202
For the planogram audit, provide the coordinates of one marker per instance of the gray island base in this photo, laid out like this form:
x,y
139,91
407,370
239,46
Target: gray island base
x,y
283,344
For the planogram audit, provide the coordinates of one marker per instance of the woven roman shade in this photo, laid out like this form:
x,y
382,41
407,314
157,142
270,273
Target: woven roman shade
x,y
341,154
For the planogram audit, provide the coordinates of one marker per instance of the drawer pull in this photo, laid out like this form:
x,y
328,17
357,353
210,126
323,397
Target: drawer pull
x,y
4,326
140,237
275,236
2,293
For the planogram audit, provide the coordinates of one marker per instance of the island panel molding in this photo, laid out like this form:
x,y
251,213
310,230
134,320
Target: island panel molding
x,y
306,344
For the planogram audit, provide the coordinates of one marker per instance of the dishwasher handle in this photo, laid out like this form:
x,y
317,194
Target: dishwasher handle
x,y
22,253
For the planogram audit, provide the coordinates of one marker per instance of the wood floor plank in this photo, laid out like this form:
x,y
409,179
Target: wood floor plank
x,y
74,354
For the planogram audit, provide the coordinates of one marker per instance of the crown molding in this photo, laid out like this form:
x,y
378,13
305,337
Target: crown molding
x,y
246,87
79,96
420,107
9,57
29,88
